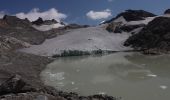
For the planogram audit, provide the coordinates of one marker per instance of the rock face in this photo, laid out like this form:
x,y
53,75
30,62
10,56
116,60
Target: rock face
x,y
167,11
118,28
113,27
156,35
13,21
20,29
133,15
13,85
120,24
10,43
40,21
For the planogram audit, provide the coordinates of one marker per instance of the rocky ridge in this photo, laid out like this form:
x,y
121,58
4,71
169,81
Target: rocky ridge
x,y
20,29
40,21
153,37
123,21
132,15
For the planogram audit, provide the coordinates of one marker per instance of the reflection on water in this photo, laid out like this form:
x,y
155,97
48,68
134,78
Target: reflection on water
x,y
132,76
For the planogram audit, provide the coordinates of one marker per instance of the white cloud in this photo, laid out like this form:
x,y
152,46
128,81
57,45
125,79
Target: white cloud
x,y
2,13
96,15
35,13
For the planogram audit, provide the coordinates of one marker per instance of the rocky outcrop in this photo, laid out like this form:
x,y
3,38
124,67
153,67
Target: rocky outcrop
x,y
167,11
53,21
13,21
9,43
119,23
113,27
118,28
40,21
13,85
20,29
156,35
127,28
132,15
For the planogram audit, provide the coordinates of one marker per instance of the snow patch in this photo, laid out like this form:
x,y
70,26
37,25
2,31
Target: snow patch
x,y
47,27
146,21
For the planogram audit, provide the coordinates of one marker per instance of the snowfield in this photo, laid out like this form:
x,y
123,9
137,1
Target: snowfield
x,y
146,21
47,27
84,39
124,22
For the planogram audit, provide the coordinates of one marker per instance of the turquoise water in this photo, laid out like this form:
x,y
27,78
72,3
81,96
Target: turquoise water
x,y
132,76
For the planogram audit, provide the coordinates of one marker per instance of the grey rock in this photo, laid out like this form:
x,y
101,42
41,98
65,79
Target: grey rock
x,y
13,85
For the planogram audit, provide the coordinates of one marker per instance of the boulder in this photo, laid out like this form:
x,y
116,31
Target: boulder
x,y
13,85
156,35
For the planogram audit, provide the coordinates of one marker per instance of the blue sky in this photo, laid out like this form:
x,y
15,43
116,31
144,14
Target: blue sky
x,y
76,10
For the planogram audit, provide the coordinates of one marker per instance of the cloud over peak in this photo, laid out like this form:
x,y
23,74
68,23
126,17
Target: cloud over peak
x,y
35,13
97,15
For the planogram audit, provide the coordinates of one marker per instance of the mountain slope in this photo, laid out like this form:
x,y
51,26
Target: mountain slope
x,y
85,39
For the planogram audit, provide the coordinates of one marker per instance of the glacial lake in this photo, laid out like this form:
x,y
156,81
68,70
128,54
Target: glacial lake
x,y
132,76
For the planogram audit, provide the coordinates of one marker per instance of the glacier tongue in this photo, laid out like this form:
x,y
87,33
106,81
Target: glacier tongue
x,y
84,39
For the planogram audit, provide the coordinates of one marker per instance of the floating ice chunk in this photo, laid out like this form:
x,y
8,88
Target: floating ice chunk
x,y
102,93
152,75
163,87
72,83
58,76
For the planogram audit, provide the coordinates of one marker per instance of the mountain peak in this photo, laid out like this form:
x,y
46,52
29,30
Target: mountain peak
x,y
133,15
39,21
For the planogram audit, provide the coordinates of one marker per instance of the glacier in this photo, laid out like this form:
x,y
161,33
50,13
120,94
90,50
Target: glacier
x,y
84,39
